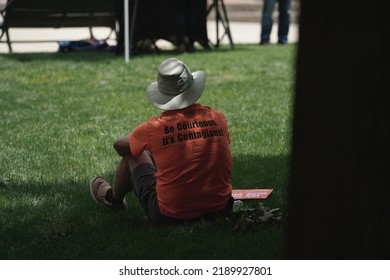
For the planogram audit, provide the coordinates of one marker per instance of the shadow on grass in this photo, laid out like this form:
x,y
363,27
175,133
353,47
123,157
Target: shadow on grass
x,y
74,56
98,56
256,172
45,220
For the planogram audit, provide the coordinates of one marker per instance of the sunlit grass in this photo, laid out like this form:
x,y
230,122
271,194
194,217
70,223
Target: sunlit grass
x,y
60,114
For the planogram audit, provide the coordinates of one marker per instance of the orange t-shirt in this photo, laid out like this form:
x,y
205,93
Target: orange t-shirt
x,y
194,164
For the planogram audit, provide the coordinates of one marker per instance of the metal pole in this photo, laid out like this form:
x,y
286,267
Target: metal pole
x,y
127,47
132,27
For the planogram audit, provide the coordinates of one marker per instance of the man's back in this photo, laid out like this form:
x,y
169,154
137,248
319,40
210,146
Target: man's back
x,y
179,165
191,150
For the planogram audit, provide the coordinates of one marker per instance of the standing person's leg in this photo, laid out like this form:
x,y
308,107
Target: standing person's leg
x,y
180,23
191,24
266,21
284,21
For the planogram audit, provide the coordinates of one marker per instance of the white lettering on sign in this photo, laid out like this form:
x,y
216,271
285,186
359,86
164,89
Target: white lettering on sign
x,y
251,193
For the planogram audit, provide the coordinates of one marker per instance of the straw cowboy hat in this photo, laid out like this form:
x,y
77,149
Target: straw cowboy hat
x,y
176,87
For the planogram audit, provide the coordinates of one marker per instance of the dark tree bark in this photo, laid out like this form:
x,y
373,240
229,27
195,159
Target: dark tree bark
x,y
339,179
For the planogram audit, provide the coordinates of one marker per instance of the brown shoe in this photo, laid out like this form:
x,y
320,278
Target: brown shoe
x,y
99,187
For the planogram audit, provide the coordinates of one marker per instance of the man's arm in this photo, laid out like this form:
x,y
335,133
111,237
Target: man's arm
x,y
122,145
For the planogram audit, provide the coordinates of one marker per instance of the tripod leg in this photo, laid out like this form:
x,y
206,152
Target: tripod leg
x,y
227,28
212,5
8,41
223,19
217,19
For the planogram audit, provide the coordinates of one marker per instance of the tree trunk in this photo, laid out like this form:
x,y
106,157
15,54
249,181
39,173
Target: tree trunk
x,y
339,179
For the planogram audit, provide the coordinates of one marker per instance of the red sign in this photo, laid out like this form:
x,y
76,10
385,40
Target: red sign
x,y
251,193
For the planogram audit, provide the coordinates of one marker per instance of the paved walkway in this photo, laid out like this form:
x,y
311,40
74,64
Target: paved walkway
x,y
249,32
242,32
244,16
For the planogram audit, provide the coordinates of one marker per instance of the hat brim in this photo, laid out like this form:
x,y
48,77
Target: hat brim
x,y
180,101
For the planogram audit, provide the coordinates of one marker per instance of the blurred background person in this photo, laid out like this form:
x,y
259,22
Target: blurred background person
x,y
283,21
185,25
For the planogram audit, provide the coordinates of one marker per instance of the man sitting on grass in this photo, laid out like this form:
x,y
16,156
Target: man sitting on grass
x,y
178,164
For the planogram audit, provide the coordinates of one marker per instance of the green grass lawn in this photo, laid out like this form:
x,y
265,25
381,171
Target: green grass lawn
x,y
60,114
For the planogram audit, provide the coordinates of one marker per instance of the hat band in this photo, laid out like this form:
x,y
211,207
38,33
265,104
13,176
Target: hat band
x,y
169,86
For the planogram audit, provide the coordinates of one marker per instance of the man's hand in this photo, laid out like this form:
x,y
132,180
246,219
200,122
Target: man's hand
x,y
122,145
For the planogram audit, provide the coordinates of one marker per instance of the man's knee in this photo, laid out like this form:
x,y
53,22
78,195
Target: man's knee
x,y
144,158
